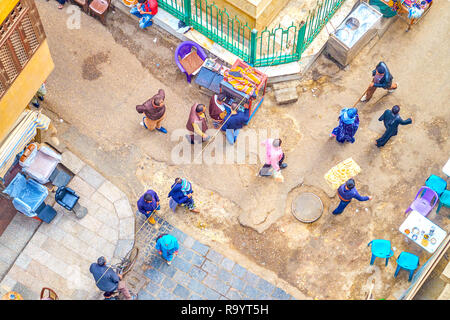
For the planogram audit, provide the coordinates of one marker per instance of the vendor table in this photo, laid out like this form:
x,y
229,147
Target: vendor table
x,y
446,168
403,8
210,76
422,231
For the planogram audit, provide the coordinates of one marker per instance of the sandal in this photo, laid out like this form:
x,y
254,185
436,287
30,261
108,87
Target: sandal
x,y
60,6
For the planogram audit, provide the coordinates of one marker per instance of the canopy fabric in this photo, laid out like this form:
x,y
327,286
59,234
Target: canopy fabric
x,y
19,138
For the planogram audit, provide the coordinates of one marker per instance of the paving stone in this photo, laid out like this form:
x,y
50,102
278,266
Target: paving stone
x,y
26,292
281,294
211,294
223,298
152,287
144,295
200,248
188,242
126,228
155,261
123,247
265,286
251,278
234,294
225,276
196,286
180,235
123,209
7,283
182,278
72,162
214,256
286,95
168,283
197,260
154,275
197,273
239,270
195,297
108,233
81,187
216,284
88,174
164,294
210,267
167,270
110,191
181,291
90,223
106,216
237,283
181,264
186,254
7,255
227,264
99,199
252,292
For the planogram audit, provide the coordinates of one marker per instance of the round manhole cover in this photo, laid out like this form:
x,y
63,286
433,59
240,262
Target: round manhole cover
x,y
307,207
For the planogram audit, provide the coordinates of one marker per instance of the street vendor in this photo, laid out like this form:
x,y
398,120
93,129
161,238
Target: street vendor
x,y
382,78
234,121
145,10
196,124
217,110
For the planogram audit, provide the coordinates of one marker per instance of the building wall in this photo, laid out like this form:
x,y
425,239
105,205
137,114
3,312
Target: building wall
x,y
24,88
33,62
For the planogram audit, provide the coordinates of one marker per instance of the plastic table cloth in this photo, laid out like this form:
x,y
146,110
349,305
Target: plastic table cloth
x,y
422,231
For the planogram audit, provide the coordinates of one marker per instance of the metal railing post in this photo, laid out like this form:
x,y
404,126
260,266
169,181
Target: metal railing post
x,y
187,12
301,39
252,56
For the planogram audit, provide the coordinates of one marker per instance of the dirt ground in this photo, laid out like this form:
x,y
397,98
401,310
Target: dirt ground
x,y
102,72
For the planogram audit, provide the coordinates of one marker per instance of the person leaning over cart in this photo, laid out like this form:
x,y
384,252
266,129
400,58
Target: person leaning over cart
x,y
197,125
147,204
234,122
108,280
382,78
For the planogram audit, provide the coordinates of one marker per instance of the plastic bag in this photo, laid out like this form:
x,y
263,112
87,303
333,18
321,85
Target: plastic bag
x,y
278,176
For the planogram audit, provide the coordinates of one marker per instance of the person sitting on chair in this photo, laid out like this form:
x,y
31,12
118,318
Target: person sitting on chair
x,y
145,10
108,280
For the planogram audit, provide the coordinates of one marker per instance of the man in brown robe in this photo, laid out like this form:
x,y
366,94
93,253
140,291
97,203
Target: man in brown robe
x,y
155,112
217,109
196,124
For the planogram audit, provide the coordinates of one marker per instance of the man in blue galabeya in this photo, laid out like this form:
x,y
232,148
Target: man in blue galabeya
x,y
346,193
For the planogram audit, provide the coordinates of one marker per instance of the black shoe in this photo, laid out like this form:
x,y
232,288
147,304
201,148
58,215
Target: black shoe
x,y
283,165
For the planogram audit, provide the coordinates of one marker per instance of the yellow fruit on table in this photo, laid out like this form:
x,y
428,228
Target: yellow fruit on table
x,y
129,3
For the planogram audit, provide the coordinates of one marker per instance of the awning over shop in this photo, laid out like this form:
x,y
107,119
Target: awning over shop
x,y
20,136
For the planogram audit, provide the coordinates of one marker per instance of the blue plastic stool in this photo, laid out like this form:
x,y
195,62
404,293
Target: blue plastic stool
x,y
407,261
380,249
436,183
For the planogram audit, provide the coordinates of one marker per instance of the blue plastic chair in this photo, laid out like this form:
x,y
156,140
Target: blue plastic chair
x,y
380,249
444,200
407,261
436,183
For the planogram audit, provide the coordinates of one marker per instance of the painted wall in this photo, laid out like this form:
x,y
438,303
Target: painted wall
x,y
24,87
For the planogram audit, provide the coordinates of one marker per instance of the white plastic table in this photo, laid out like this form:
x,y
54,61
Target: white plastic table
x,y
446,168
419,228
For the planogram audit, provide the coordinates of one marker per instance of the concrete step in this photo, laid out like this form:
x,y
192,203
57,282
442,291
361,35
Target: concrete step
x,y
286,95
445,294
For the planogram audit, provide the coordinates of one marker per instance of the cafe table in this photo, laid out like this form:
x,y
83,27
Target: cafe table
x,y
422,231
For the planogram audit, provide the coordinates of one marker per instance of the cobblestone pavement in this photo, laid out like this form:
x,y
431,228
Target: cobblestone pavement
x,y
197,273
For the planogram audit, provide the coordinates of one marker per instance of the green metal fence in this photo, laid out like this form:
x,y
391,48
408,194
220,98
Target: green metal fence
x,y
268,47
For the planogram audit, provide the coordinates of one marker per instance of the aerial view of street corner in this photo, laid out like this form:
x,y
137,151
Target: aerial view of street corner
x,y
238,150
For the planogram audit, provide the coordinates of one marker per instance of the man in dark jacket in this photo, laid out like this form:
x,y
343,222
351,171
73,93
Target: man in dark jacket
x,y
148,204
107,280
391,120
382,78
155,112
346,193
234,122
